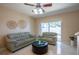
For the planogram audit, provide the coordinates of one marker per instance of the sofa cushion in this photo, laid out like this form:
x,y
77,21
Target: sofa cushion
x,y
18,35
23,42
49,34
20,42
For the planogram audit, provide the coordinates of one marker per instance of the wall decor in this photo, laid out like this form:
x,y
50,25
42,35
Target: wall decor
x,y
22,23
11,24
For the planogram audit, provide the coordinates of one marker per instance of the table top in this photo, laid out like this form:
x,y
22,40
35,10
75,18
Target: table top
x,y
40,43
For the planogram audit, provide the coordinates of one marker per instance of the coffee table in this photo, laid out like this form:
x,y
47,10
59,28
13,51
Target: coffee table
x,y
40,47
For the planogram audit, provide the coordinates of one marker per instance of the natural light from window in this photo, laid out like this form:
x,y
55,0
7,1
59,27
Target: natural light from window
x,y
54,26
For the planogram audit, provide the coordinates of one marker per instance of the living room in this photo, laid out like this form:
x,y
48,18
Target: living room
x,y
19,18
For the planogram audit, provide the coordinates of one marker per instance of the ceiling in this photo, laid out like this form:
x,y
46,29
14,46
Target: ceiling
x,y
55,9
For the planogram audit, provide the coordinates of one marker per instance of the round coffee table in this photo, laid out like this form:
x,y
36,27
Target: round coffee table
x,y
40,47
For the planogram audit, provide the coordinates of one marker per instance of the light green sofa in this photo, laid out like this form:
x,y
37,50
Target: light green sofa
x,y
17,41
50,37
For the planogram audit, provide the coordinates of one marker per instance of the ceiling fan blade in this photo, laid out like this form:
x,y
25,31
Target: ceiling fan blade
x,y
29,4
47,5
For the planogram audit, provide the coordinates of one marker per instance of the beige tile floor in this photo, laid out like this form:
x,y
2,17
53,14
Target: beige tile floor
x,y
68,50
28,51
59,49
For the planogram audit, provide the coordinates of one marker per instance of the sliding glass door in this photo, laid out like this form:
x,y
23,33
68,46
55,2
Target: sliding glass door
x,y
44,27
54,26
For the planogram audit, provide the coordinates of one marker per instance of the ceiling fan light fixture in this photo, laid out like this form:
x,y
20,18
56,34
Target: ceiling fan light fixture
x,y
38,11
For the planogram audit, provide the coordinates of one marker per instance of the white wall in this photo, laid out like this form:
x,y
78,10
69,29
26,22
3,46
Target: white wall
x,y
6,15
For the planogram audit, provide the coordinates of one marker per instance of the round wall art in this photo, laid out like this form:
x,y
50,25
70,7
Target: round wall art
x,y
11,24
22,24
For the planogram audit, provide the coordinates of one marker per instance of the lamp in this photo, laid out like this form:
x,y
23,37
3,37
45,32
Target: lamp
x,y
38,10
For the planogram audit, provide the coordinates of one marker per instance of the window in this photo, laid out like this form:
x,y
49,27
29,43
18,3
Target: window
x,y
52,27
55,27
44,27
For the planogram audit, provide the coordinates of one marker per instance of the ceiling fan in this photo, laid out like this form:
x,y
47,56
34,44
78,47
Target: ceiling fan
x,y
39,4
39,7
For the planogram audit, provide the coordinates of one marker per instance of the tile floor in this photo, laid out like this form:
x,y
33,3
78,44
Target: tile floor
x,y
59,49
28,51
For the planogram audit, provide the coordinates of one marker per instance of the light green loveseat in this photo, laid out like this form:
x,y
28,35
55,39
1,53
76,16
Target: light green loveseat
x,y
50,37
17,41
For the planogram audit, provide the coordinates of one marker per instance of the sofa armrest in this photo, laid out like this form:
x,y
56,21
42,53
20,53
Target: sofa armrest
x,y
9,40
10,44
